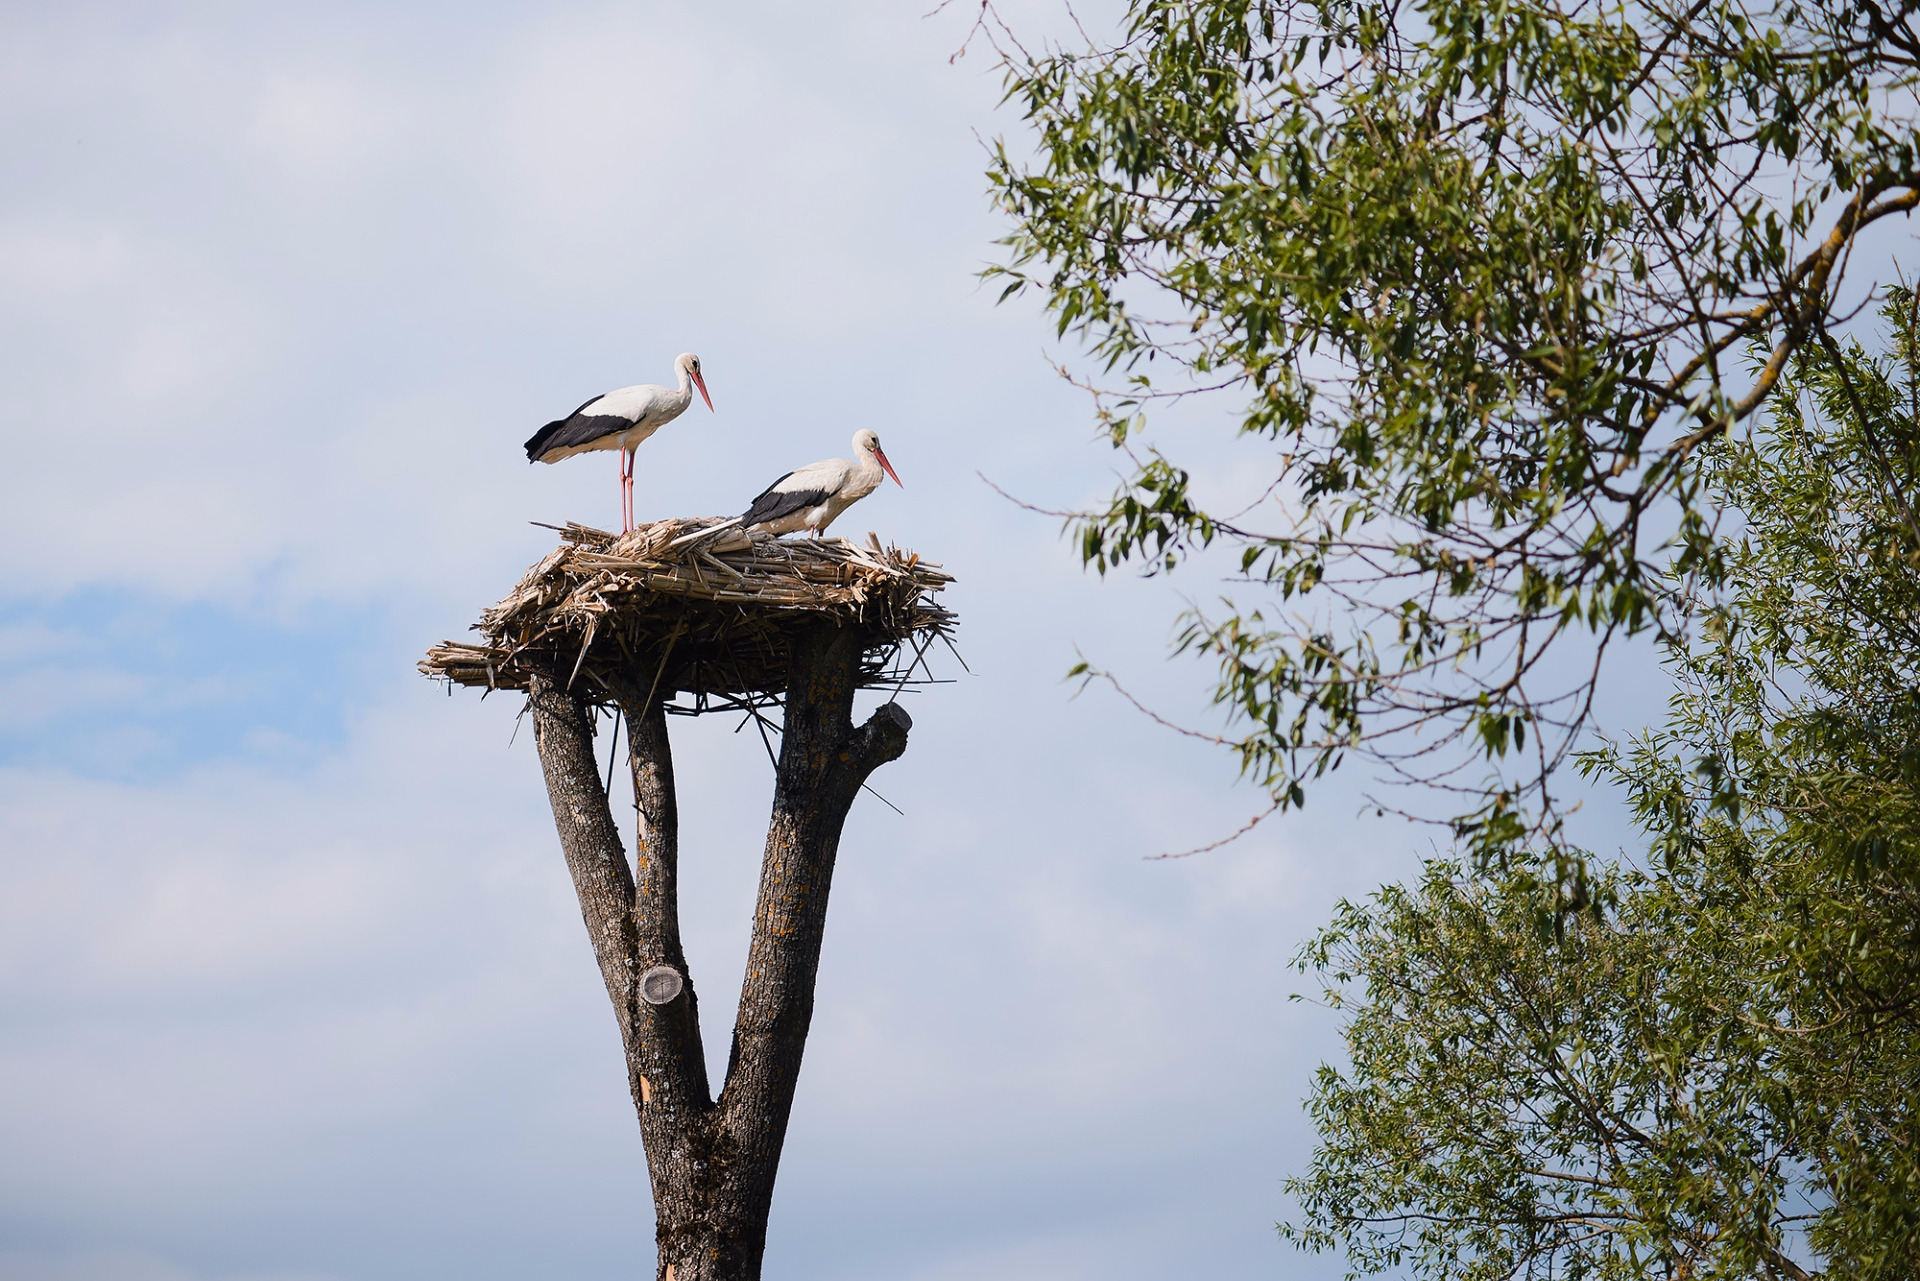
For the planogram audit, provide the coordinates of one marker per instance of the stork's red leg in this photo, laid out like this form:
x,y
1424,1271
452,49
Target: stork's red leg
x,y
629,490
626,492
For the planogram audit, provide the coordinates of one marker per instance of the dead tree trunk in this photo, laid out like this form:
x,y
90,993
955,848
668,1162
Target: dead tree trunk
x,y
712,1162
704,610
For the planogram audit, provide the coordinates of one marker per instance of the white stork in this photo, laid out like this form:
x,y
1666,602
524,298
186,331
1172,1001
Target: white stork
x,y
812,496
620,420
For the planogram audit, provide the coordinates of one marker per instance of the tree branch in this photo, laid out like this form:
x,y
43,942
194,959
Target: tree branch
x,y
595,858
823,762
670,1033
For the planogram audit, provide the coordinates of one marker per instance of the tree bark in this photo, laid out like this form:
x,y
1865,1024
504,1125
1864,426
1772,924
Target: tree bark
x,y
712,1162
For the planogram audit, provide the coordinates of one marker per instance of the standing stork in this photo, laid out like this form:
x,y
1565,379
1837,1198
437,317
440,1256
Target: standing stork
x,y
810,497
620,420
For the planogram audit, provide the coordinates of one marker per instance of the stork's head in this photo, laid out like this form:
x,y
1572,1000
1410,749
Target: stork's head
x,y
867,442
689,364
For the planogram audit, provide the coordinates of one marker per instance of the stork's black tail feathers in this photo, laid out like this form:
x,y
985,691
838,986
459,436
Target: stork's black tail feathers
x,y
537,444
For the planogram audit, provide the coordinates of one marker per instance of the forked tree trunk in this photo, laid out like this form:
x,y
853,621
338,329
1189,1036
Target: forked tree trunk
x,y
712,1162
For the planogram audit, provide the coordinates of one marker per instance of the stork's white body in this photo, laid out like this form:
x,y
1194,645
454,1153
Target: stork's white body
x,y
811,497
641,411
839,483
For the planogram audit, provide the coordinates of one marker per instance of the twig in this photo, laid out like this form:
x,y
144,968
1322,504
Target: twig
x,y
1251,823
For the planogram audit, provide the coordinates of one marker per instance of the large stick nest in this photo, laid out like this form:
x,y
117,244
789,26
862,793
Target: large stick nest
x,y
696,607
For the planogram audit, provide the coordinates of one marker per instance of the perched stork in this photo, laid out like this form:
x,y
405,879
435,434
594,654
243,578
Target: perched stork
x,y
620,420
811,497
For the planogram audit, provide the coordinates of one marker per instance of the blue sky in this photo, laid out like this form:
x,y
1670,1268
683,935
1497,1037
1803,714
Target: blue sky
x,y
291,983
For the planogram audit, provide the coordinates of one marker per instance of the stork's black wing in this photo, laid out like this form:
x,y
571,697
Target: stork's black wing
x,y
775,503
575,429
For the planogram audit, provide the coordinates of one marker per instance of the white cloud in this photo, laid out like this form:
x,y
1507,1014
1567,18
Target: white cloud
x,y
60,261
319,126
657,156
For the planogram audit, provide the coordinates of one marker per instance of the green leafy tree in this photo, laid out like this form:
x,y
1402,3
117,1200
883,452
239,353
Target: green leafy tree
x,y
1716,1076
1479,280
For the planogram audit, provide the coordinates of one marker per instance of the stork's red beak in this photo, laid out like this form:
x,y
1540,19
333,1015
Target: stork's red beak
x,y
885,466
701,383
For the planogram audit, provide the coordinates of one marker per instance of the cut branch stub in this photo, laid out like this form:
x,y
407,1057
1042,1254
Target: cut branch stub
x,y
661,984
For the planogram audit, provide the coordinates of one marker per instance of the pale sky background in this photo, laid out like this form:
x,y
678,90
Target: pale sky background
x,y
292,984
